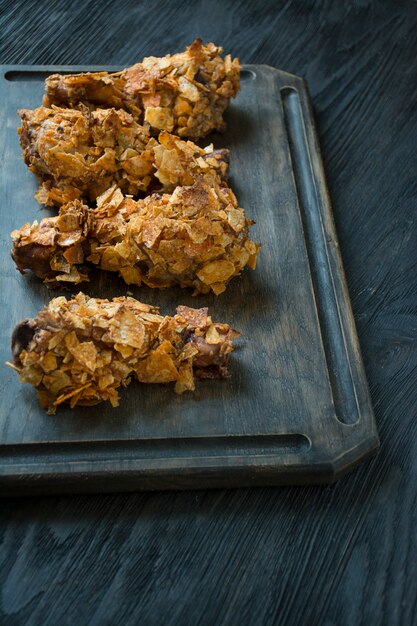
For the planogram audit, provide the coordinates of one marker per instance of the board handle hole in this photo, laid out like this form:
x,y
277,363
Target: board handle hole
x,y
247,75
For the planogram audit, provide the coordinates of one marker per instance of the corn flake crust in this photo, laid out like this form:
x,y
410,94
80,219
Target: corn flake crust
x,y
185,93
195,237
78,154
81,351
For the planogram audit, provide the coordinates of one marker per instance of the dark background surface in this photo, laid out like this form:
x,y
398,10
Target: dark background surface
x,y
344,554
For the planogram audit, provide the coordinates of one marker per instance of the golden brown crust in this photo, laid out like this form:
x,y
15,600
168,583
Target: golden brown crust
x,y
185,94
79,154
196,237
81,351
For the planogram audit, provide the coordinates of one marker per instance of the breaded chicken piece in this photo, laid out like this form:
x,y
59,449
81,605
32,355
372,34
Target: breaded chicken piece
x,y
196,237
82,350
78,154
185,94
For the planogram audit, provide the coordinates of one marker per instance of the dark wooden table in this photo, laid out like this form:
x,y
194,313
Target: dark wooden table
x,y
337,555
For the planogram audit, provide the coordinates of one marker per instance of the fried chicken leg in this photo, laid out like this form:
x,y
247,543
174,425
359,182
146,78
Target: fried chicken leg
x,y
196,237
185,94
82,350
78,154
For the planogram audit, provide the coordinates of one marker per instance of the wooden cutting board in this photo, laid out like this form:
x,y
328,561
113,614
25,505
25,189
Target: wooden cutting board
x,y
296,408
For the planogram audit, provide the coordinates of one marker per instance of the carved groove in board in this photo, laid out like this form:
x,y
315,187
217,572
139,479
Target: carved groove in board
x,y
40,75
158,448
22,76
247,74
333,336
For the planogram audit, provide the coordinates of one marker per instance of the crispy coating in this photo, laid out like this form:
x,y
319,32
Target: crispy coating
x,y
185,94
196,237
78,154
82,350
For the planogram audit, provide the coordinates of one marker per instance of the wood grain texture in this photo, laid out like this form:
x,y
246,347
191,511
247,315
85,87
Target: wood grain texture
x,y
330,556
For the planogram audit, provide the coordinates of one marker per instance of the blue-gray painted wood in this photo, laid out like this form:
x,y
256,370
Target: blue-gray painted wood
x,y
340,555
